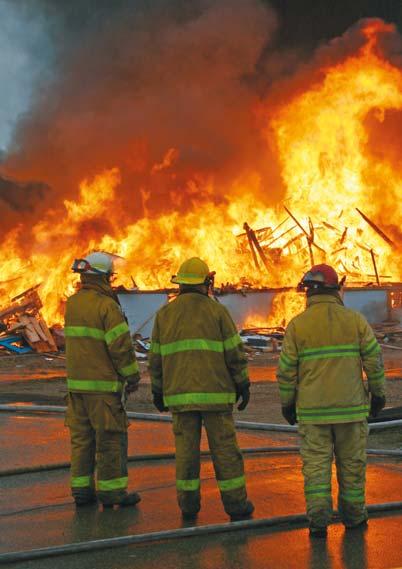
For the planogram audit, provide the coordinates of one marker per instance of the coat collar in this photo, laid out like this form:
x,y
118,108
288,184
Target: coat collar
x,y
324,299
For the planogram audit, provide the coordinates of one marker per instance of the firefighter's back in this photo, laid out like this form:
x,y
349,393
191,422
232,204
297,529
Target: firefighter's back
x,y
330,374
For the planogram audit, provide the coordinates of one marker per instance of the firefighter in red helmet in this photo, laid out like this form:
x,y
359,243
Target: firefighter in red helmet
x,y
321,387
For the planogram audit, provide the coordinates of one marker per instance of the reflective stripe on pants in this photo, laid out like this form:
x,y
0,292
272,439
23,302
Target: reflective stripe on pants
x,y
98,425
318,445
226,456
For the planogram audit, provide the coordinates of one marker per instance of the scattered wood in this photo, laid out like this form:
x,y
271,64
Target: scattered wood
x,y
281,235
25,324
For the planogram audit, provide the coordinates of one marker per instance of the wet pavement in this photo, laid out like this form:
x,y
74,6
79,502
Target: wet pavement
x,y
36,510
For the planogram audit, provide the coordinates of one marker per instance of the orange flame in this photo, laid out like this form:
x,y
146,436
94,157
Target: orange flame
x,y
322,141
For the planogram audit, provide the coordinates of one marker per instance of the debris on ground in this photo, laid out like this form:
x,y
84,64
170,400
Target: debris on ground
x,y
23,328
389,334
262,339
141,346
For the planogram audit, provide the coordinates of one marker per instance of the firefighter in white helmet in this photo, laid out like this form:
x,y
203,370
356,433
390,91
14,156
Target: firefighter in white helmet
x,y
101,368
321,386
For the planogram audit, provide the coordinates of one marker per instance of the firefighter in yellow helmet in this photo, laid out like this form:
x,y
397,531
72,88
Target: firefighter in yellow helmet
x,y
199,370
321,386
101,371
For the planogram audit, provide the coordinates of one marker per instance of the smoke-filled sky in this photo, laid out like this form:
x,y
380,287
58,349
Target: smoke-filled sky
x,y
34,32
25,60
94,84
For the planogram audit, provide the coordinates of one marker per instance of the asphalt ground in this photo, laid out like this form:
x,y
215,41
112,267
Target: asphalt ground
x,y
36,510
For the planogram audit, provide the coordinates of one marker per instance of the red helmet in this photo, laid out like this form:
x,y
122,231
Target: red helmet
x,y
320,276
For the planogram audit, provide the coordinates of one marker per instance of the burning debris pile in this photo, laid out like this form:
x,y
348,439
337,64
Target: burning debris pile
x,y
22,327
302,242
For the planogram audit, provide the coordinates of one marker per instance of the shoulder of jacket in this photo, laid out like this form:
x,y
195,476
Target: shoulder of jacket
x,y
107,303
296,319
357,316
220,308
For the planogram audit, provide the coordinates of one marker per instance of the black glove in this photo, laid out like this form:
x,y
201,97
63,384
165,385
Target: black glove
x,y
243,393
158,402
289,413
131,383
377,403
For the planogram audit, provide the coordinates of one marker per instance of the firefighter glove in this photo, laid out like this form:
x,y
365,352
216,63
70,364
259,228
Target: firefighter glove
x,y
377,403
243,393
289,413
158,402
131,384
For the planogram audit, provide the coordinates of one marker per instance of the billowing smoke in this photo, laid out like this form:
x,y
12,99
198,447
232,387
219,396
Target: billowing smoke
x,y
162,90
20,196
25,60
170,93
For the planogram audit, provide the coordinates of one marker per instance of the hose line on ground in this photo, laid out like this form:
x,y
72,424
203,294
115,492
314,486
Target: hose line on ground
x,y
248,425
296,520
171,456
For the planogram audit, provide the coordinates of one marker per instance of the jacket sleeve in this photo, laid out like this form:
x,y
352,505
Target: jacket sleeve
x,y
371,357
155,360
287,372
119,343
234,352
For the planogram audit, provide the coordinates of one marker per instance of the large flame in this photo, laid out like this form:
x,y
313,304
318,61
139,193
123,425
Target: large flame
x,y
321,136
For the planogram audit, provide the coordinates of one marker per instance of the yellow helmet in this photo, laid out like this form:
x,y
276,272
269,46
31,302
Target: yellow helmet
x,y
194,271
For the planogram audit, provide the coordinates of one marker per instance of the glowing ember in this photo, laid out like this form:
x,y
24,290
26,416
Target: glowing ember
x,y
322,138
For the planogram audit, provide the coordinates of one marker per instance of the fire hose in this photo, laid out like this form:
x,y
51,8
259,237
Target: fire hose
x,y
171,456
294,521
247,425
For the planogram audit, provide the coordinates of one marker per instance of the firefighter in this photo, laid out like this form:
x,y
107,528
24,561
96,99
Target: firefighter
x,y
321,387
199,370
101,372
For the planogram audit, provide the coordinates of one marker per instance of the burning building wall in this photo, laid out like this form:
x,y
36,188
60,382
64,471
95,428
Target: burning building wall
x,y
164,131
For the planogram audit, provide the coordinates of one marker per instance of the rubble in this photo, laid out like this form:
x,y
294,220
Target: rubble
x,y
23,328
389,335
262,339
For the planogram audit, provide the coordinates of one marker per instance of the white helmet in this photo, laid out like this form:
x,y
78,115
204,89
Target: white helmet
x,y
94,264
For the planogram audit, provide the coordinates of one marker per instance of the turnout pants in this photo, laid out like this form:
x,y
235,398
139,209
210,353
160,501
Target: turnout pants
x,y
226,457
319,443
98,428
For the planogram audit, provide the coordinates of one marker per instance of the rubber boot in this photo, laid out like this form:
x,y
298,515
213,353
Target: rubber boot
x,y
243,514
363,525
316,531
82,501
129,500
189,516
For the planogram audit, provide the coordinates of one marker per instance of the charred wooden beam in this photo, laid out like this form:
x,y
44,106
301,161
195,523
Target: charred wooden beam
x,y
251,235
251,245
376,228
375,267
310,236
342,240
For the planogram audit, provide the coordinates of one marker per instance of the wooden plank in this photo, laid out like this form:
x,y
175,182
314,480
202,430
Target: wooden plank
x,y
376,228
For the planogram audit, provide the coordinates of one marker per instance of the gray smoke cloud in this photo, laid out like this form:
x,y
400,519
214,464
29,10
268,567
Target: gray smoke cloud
x,y
25,58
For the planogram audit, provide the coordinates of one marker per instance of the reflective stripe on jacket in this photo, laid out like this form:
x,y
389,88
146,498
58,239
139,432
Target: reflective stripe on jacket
x,y
320,367
99,349
197,356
